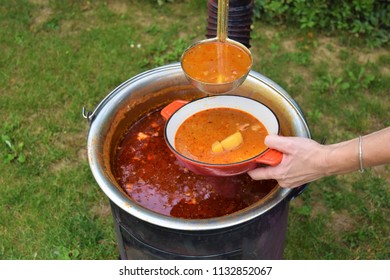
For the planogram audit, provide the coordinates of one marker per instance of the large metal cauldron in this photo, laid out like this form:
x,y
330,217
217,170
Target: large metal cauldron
x,y
256,232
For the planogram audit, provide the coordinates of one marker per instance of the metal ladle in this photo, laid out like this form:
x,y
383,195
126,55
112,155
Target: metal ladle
x,y
222,37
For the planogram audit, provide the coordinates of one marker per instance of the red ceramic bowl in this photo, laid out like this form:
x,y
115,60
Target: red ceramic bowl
x,y
179,110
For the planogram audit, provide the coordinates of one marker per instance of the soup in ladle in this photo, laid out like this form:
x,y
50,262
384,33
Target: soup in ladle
x,y
216,62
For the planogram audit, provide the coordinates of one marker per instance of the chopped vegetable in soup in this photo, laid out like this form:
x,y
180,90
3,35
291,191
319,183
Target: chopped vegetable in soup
x,y
220,136
232,141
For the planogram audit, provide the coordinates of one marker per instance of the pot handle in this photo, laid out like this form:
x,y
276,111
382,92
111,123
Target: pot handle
x,y
171,108
271,157
88,115
297,191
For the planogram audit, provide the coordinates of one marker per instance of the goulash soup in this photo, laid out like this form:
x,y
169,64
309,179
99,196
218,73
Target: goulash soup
x,y
150,174
216,62
220,136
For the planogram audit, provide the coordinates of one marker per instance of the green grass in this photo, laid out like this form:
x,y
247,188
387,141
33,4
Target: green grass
x,y
58,56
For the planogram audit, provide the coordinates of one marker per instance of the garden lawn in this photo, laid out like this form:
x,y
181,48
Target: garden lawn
x,y
58,56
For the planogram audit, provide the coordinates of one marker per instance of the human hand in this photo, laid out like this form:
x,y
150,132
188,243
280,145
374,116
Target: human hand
x,y
304,160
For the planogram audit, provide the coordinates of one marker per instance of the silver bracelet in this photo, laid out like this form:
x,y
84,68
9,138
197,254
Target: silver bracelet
x,y
361,170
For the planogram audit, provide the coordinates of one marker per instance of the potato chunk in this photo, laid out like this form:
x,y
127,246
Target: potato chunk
x,y
233,141
217,147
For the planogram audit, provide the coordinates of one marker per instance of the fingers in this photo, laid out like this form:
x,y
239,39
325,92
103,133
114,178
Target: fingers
x,y
262,173
266,173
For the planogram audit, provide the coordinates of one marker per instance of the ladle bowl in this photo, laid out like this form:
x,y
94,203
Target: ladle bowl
x,y
220,87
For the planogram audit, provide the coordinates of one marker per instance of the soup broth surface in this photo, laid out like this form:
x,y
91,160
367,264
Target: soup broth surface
x,y
149,173
197,134
216,62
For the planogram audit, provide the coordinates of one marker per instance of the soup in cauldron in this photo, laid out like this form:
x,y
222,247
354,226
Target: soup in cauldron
x,y
150,174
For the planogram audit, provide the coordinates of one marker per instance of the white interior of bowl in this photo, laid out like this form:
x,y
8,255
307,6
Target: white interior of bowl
x,y
251,106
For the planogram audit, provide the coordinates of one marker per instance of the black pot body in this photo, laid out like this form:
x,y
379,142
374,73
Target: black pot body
x,y
261,238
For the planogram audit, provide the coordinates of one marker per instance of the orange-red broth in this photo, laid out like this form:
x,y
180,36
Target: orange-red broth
x,y
216,62
196,135
149,173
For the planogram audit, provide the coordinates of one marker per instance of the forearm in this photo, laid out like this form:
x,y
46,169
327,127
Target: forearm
x,y
344,157
305,160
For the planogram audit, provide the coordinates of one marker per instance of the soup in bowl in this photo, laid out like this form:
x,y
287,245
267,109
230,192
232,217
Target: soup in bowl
x,y
221,135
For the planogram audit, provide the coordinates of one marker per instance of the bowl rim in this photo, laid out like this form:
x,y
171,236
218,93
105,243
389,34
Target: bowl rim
x,y
216,165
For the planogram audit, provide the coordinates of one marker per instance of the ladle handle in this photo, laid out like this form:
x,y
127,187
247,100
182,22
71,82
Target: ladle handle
x,y
222,24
